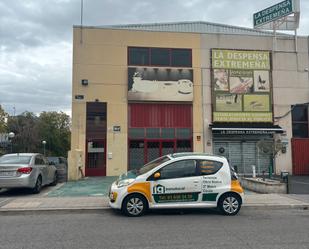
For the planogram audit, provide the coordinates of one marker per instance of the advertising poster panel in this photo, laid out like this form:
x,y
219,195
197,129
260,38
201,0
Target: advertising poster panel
x,y
160,84
241,86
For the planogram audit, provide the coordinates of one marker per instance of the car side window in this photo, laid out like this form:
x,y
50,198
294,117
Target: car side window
x,y
45,161
208,167
38,160
183,168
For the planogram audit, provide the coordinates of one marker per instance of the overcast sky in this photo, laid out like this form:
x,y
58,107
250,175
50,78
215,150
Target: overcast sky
x,y
36,39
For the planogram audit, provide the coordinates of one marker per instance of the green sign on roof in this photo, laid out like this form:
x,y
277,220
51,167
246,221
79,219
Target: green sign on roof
x,y
273,13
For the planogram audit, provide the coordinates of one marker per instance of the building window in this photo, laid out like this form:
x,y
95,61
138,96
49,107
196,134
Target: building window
x,y
139,56
300,121
168,133
166,57
137,133
184,133
152,132
160,57
181,58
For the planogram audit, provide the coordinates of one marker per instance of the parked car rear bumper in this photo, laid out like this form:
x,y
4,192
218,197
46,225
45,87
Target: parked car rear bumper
x,y
23,181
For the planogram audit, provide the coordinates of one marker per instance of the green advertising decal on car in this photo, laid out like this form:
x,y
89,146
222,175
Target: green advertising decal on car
x,y
183,197
210,197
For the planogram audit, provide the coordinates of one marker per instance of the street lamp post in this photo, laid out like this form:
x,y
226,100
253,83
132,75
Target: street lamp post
x,y
44,143
11,136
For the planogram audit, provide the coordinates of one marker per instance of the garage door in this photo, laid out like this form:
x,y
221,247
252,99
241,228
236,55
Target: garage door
x,y
242,155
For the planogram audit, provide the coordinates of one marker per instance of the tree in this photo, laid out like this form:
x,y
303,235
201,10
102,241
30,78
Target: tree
x,y
26,133
54,128
3,117
273,148
30,130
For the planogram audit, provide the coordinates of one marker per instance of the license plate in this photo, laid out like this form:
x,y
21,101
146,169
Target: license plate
x,y
7,173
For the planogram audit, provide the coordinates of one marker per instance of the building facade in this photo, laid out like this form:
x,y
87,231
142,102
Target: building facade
x,y
142,91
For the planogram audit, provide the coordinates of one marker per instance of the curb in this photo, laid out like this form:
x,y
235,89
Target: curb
x,y
52,210
99,209
277,207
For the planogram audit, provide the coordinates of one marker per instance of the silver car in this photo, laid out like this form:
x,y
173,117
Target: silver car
x,y
26,170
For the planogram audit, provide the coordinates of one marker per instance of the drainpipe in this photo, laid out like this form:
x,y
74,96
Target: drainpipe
x,y
203,114
308,57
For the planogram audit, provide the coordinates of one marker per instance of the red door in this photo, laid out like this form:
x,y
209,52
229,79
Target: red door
x,y
300,148
96,157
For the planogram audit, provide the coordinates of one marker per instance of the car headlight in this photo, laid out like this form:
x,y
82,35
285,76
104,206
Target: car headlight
x,y
125,182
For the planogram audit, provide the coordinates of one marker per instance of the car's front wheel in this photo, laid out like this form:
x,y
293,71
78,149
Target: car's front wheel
x,y
229,204
134,205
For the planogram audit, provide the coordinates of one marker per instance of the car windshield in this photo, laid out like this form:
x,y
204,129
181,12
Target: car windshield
x,y
151,165
15,159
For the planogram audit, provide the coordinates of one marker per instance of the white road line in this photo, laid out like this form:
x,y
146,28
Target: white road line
x,y
59,185
1,201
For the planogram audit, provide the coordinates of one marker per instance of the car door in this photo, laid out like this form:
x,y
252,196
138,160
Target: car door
x,y
178,184
50,170
214,180
40,165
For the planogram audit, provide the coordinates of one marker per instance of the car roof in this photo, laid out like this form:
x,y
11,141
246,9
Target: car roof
x,y
194,154
22,154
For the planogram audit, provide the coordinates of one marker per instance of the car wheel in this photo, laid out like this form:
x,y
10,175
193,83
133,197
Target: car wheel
x,y
38,186
134,205
229,204
55,181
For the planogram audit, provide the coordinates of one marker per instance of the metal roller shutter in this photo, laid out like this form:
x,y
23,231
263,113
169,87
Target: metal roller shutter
x,y
249,156
242,155
235,156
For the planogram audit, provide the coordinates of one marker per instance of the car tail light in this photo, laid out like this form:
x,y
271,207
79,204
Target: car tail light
x,y
25,170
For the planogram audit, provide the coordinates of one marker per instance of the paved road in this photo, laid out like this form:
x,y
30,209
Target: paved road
x,y
250,229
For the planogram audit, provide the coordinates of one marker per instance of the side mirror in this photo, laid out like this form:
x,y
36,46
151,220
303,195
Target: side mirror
x,y
157,175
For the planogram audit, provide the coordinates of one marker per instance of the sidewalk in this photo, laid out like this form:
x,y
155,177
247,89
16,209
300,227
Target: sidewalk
x,y
95,203
91,194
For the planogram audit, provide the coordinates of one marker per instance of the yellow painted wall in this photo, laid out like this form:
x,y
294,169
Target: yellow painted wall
x,y
101,57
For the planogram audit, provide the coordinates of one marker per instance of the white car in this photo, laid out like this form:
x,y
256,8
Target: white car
x,y
181,180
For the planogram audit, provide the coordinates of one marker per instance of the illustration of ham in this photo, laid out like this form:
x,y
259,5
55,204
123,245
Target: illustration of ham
x,y
243,87
182,86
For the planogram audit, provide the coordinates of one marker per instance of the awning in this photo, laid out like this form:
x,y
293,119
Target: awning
x,y
245,129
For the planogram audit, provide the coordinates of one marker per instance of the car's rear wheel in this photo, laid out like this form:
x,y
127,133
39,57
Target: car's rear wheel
x,y
229,204
55,181
134,205
38,185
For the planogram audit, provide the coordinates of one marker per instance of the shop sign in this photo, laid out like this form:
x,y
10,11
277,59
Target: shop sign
x,y
242,117
116,128
241,86
160,84
79,97
239,59
273,13
243,132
